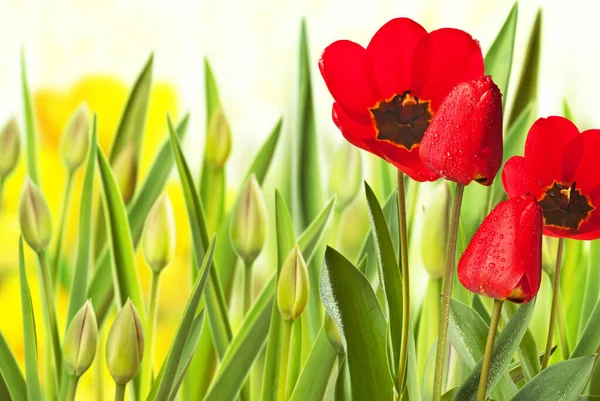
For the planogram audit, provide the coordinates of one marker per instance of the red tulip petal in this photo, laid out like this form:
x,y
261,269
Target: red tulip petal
x,y
590,230
545,146
587,176
530,242
356,133
391,51
443,59
408,162
519,179
343,66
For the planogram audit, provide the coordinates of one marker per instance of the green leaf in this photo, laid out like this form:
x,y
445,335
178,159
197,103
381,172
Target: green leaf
x,y
429,324
34,390
567,111
310,239
244,348
574,275
468,333
563,381
124,270
101,289
314,377
528,350
212,92
31,138
10,372
215,301
515,369
592,283
505,347
175,355
498,60
352,304
528,84
389,274
84,244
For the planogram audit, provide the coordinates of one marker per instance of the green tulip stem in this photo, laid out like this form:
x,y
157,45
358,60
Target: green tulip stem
x,y
449,275
288,329
50,310
61,226
555,295
489,348
247,286
151,330
120,392
403,260
72,389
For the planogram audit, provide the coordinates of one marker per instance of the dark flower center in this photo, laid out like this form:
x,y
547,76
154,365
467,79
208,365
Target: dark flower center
x,y
402,120
565,207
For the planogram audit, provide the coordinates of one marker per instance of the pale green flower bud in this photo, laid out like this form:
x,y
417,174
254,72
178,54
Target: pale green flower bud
x,y
10,147
293,286
125,345
334,335
75,140
435,232
81,341
124,169
158,242
34,217
218,139
249,222
345,177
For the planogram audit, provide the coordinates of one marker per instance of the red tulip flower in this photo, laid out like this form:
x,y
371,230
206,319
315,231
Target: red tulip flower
x,y
387,94
504,258
561,168
464,141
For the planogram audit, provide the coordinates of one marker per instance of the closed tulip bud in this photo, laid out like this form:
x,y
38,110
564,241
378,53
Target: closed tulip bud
x,y
80,341
158,243
504,258
34,217
464,140
218,139
249,222
10,147
346,174
293,286
333,334
76,138
435,232
125,345
125,168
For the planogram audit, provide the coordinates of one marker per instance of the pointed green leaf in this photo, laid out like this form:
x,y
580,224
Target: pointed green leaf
x,y
528,83
310,239
567,111
212,92
498,60
125,276
10,372
245,347
182,334
592,283
352,304
563,381
31,138
528,350
34,390
505,347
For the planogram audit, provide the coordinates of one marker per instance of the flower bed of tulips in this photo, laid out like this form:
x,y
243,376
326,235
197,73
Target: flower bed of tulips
x,y
512,213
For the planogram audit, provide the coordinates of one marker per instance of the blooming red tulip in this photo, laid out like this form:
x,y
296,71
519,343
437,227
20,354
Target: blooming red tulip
x,y
504,258
387,94
561,168
464,141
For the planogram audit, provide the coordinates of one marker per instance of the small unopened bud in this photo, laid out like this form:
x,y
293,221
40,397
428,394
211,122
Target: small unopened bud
x,y
158,243
75,140
345,177
435,231
218,139
125,168
81,341
249,222
293,286
125,345
34,217
333,334
10,146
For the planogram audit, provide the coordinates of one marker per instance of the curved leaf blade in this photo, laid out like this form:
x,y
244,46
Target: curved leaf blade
x,y
31,138
11,374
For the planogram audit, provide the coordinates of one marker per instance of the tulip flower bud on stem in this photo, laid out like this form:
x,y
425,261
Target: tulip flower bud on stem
x,y
10,147
292,298
554,307
489,348
447,293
